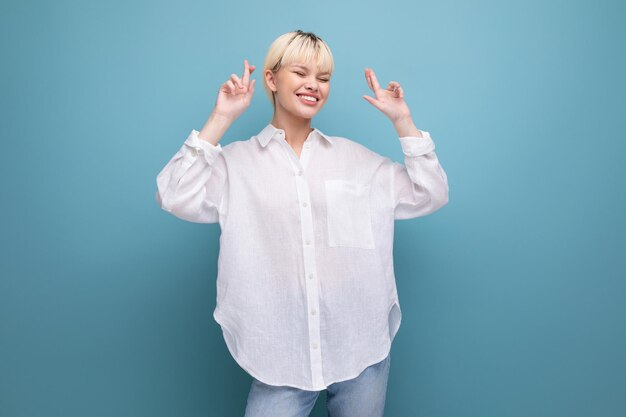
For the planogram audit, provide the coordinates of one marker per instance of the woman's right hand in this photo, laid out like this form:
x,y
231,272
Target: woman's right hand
x,y
235,94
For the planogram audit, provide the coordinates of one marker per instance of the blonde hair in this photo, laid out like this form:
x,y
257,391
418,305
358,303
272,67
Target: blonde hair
x,y
296,46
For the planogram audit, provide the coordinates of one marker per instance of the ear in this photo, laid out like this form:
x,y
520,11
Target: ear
x,y
270,80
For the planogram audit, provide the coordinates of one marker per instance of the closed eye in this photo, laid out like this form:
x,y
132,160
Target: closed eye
x,y
321,79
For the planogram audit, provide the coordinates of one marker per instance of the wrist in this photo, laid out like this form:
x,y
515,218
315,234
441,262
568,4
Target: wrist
x,y
405,127
215,127
221,119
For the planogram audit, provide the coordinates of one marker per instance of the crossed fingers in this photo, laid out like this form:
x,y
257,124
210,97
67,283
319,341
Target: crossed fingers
x,y
372,82
235,83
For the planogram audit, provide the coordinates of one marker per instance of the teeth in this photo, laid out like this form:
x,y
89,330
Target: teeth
x,y
309,98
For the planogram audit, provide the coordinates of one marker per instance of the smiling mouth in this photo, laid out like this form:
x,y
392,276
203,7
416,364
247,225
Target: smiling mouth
x,y
308,99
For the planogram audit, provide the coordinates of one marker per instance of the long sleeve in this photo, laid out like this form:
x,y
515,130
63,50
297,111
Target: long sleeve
x,y
420,186
193,184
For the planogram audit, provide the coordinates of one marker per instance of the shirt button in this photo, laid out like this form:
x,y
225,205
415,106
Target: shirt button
x,y
298,172
312,312
310,276
304,204
314,345
308,242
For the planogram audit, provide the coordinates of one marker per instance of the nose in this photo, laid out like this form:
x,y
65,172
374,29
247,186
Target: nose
x,y
312,85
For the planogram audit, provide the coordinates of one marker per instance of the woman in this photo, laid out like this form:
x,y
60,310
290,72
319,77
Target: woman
x,y
306,293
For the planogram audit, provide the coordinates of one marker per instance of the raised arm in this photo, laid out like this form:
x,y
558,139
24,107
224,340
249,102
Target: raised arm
x,y
420,186
194,183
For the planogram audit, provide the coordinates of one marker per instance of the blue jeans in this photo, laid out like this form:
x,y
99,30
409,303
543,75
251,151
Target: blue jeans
x,y
363,396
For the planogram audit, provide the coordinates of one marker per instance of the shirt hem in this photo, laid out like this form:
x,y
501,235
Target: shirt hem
x,y
225,325
388,350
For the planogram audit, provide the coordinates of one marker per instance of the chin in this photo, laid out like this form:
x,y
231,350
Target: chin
x,y
297,110
305,114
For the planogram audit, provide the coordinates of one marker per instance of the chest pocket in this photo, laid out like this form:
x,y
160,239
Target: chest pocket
x,y
349,214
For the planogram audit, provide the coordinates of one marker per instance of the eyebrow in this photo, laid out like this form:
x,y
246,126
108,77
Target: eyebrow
x,y
306,68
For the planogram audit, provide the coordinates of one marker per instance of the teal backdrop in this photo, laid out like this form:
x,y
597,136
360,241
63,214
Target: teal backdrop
x,y
513,295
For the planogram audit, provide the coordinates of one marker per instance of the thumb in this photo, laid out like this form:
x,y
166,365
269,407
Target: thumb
x,y
372,101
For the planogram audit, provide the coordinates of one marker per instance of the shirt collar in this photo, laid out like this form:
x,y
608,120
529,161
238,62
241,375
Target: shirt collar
x,y
270,131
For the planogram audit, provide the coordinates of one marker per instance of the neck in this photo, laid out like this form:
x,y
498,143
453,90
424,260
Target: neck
x,y
296,129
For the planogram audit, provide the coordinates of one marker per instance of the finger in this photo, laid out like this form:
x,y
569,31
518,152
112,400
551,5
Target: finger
x,y
247,83
231,86
372,101
393,85
367,78
236,80
374,80
251,89
246,72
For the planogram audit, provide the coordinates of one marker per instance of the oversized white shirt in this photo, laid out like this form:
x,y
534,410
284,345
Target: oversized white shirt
x,y
306,291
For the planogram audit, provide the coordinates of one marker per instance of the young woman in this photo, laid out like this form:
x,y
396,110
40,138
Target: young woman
x,y
306,292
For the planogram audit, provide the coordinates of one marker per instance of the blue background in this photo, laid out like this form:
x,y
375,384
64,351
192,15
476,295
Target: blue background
x,y
512,294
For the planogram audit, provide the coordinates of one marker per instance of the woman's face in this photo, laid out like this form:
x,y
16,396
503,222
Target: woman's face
x,y
293,83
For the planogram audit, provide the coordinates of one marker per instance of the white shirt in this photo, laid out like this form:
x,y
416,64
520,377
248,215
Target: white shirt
x,y
306,292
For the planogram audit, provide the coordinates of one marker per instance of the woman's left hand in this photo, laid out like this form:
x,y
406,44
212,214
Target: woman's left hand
x,y
389,101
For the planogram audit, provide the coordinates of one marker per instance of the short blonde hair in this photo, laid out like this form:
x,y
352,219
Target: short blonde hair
x,y
296,46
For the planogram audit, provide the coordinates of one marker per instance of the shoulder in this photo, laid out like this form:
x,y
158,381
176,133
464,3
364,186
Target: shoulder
x,y
239,146
356,150
242,152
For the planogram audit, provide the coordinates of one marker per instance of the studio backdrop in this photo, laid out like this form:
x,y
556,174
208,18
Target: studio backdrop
x,y
512,294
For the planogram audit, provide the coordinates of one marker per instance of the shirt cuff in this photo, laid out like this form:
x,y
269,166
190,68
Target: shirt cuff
x,y
416,146
201,146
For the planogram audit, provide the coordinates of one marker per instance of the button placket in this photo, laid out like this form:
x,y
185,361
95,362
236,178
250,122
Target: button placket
x,y
305,153
308,248
311,286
